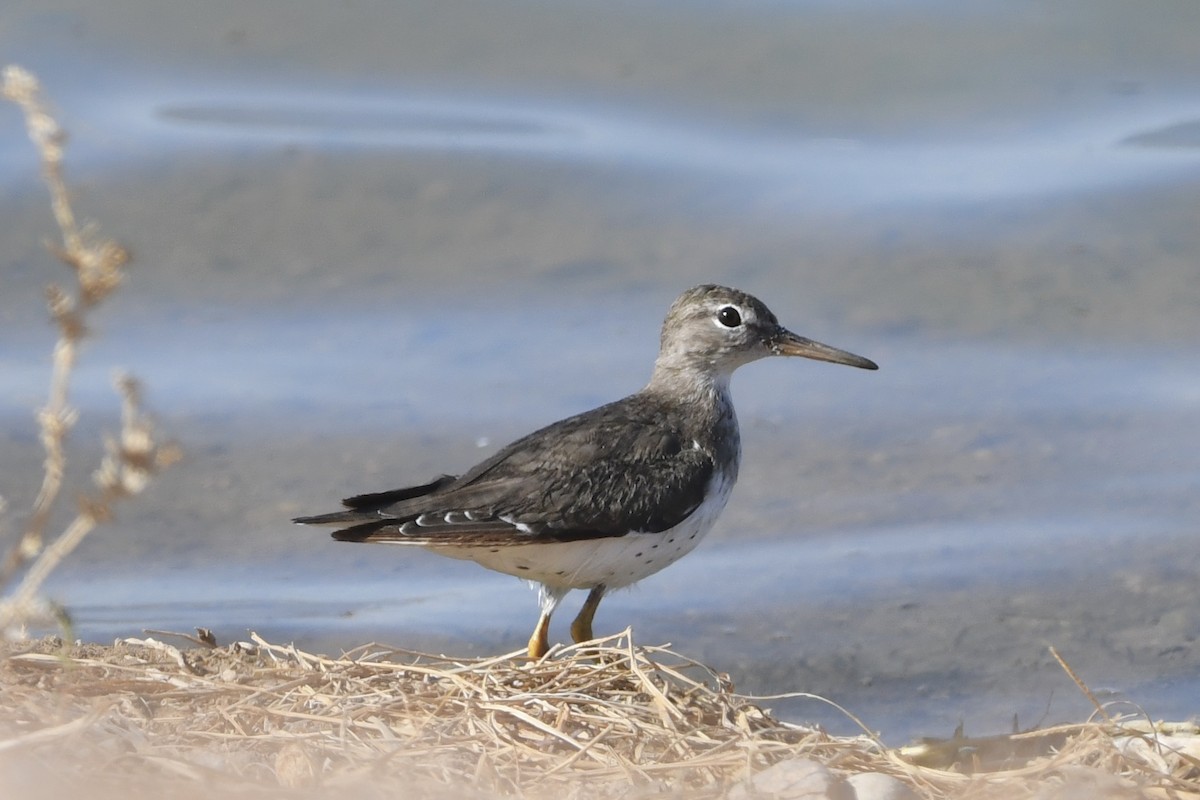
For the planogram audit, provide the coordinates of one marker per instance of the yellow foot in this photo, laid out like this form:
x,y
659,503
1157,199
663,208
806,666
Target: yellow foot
x,y
581,631
581,628
539,642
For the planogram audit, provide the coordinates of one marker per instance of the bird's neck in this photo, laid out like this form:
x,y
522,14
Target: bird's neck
x,y
690,385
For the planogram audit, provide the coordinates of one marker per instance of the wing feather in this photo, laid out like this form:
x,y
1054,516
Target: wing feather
x,y
604,473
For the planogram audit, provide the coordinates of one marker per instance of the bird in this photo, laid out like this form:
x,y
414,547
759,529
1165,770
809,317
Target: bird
x,y
605,498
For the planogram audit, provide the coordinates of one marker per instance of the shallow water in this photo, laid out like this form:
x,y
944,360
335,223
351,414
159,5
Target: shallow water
x,y
363,260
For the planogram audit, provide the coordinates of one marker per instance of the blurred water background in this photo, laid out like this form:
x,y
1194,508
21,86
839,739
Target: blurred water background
x,y
376,241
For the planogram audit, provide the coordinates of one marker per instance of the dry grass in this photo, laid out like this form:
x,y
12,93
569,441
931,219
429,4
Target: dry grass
x,y
613,720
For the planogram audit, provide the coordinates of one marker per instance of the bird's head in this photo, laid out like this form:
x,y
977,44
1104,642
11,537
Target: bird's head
x,y
714,330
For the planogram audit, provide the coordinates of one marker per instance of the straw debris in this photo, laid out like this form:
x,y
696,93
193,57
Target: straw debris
x,y
605,720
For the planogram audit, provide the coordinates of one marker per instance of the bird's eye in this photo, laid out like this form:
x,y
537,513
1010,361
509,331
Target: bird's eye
x,y
729,317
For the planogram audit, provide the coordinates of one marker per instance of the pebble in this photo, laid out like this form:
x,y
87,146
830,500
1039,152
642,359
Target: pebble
x,y
794,779
877,786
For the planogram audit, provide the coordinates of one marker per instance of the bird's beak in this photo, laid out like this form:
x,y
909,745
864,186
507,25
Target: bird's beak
x,y
785,343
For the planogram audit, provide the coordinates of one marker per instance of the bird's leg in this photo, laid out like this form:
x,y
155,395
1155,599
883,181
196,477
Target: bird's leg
x,y
539,642
581,628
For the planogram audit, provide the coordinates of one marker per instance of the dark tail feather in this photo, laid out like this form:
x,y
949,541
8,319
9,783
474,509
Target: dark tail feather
x,y
335,518
362,507
381,500
363,532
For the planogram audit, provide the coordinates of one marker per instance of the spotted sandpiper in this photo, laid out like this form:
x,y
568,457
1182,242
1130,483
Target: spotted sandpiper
x,y
603,499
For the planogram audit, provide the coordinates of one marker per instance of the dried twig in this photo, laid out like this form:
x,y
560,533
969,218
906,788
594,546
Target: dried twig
x,y
98,267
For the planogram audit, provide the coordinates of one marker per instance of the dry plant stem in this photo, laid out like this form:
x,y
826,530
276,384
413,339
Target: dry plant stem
x,y
1062,662
22,88
56,418
125,471
98,269
54,422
